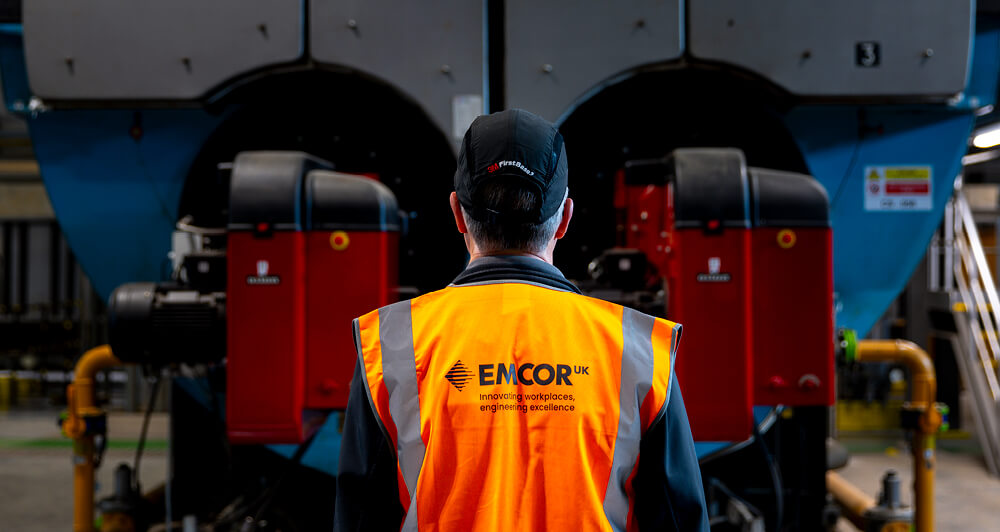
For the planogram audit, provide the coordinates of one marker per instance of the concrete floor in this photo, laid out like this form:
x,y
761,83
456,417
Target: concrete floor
x,y
36,475
966,498
36,490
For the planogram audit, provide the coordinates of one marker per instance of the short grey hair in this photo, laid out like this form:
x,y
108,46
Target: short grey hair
x,y
511,237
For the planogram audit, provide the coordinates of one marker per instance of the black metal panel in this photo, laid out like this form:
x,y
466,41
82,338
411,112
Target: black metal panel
x,y
360,125
710,185
55,242
21,275
788,199
350,202
210,475
796,445
72,272
7,255
949,380
987,7
10,11
266,187
496,97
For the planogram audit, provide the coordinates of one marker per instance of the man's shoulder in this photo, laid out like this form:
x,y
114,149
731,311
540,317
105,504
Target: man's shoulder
x,y
406,303
620,310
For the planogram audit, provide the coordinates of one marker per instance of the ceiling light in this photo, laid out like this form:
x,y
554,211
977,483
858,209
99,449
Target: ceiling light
x,y
987,137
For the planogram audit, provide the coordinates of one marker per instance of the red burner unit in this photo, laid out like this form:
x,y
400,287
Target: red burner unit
x,y
793,290
351,268
309,250
746,255
265,362
709,280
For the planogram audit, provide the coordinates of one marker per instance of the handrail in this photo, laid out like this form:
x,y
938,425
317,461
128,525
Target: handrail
x,y
981,350
982,267
976,285
958,257
980,271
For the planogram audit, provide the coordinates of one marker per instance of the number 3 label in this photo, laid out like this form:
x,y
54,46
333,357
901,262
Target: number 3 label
x,y
867,54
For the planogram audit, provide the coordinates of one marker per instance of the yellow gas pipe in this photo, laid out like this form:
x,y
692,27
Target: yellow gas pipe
x,y
923,390
81,407
854,501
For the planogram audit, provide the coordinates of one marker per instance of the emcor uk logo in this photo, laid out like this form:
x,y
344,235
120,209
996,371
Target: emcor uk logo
x,y
527,374
458,375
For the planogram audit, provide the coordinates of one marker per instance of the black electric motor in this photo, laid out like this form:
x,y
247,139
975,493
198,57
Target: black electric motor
x,y
180,321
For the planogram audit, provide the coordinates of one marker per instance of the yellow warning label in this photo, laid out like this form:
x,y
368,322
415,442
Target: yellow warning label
x,y
904,187
918,172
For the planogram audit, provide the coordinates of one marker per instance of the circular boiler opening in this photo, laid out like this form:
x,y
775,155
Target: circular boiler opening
x,y
361,126
647,116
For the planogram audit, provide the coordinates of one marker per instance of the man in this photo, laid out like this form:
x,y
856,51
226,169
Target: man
x,y
508,401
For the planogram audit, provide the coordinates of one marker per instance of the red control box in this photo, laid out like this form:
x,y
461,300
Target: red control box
x,y
266,336
308,250
265,298
746,254
793,291
351,268
709,280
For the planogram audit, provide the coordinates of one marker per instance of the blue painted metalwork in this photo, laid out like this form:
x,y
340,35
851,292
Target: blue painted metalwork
x,y
115,189
16,93
116,196
324,453
114,176
876,252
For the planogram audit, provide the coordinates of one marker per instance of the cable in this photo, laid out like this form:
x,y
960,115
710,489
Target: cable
x,y
219,418
716,484
758,437
765,425
779,490
295,460
862,130
145,429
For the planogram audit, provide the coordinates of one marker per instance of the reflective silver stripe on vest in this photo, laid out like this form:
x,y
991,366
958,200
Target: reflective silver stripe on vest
x,y
675,336
399,370
637,375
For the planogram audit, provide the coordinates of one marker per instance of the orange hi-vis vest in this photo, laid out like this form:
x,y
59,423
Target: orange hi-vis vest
x,y
513,406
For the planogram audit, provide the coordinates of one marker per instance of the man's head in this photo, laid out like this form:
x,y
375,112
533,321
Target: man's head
x,y
510,187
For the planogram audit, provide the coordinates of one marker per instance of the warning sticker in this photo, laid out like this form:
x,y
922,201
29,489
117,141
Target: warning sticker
x,y
898,188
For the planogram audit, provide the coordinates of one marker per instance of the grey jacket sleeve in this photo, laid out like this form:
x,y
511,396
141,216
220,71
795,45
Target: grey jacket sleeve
x,y
367,491
669,494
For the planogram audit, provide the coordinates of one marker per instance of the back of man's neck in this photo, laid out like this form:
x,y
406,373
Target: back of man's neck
x,y
477,255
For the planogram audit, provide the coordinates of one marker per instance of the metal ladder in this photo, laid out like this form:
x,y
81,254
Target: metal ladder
x,y
957,266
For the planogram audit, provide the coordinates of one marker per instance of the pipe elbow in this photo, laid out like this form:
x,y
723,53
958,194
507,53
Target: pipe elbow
x,y
81,390
923,378
94,360
915,358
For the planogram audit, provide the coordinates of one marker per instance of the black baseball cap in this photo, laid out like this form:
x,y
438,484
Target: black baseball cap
x,y
512,146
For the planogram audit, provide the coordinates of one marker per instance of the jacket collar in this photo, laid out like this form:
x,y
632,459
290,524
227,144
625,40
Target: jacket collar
x,y
500,268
